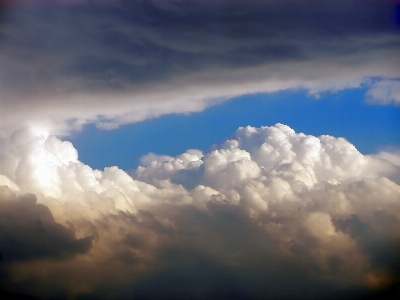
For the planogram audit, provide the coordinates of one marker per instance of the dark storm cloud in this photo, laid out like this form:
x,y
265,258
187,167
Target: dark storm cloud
x,y
215,254
218,253
56,53
221,254
28,231
379,243
137,41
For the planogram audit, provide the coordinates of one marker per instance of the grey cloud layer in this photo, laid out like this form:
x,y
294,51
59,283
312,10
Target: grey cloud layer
x,y
125,61
268,213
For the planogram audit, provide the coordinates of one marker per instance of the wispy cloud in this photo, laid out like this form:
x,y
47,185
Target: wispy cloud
x,y
385,92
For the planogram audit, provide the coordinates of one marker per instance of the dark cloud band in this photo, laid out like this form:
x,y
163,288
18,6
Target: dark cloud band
x,y
134,51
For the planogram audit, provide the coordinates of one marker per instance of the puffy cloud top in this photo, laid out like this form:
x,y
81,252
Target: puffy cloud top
x,y
276,151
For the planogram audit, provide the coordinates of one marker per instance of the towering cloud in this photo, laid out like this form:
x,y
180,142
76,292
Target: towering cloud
x,y
267,213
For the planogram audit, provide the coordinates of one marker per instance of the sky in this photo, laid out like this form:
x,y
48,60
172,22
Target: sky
x,y
188,149
346,114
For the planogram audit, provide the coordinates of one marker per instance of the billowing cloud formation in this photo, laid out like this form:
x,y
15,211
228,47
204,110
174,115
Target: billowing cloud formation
x,y
117,62
269,213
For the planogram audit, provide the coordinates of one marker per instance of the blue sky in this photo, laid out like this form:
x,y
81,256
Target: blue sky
x,y
345,113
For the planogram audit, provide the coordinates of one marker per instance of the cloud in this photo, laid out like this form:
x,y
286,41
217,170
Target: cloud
x,y
150,157
384,92
114,63
29,231
276,151
268,212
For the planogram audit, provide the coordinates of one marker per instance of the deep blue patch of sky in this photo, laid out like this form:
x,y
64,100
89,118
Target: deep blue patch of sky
x,y
345,113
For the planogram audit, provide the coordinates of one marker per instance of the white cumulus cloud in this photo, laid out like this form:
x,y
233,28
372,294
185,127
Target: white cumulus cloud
x,y
268,205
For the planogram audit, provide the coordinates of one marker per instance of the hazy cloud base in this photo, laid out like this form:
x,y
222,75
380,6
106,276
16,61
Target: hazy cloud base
x,y
269,213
